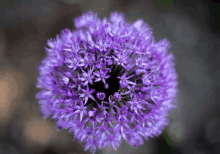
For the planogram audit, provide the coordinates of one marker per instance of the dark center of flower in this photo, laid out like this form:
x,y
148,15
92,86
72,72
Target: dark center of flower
x,y
112,84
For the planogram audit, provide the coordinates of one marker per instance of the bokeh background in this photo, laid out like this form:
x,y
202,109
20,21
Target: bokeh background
x,y
192,27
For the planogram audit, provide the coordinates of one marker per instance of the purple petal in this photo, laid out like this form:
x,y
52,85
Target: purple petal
x,y
81,115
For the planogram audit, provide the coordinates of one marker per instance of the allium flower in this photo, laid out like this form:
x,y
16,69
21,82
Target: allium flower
x,y
107,81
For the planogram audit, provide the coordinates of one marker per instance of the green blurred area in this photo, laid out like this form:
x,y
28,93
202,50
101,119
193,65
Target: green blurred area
x,y
168,140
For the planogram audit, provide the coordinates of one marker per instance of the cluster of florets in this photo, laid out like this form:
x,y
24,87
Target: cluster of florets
x,y
107,81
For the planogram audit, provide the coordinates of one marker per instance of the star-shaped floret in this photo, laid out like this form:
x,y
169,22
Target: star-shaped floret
x,y
121,127
100,95
105,54
122,59
147,79
99,65
136,104
101,113
86,60
101,44
141,61
101,75
91,144
81,109
124,81
117,96
77,82
111,102
112,139
87,77
72,62
101,133
87,94
123,113
73,48
134,138
132,89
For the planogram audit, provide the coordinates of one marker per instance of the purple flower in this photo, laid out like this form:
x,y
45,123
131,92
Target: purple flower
x,y
101,75
124,81
80,109
100,96
86,94
108,80
87,77
117,96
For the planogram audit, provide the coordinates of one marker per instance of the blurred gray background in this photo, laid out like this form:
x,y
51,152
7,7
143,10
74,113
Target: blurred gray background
x,y
191,26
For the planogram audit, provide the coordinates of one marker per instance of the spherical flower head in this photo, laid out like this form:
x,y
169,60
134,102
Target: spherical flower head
x,y
108,80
